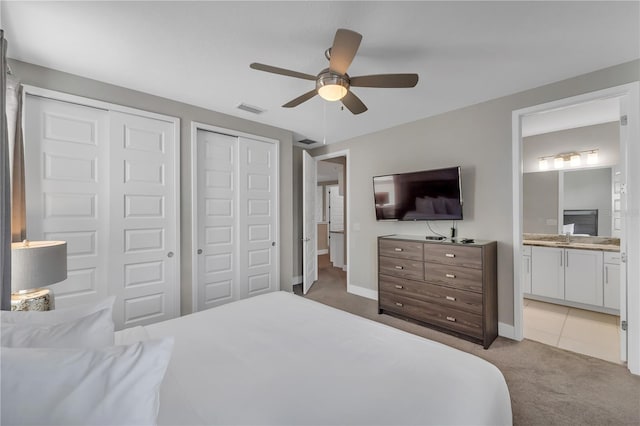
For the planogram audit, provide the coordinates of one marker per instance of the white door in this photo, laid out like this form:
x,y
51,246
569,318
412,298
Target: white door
x,y
257,217
583,276
67,179
547,272
309,243
625,225
217,198
143,257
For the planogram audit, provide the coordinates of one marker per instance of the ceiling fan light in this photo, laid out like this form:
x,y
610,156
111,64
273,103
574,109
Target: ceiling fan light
x,y
332,92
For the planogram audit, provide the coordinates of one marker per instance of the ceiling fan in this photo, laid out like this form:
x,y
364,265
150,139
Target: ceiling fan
x,y
334,83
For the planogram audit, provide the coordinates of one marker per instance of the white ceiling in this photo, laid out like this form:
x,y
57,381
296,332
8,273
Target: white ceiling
x,y
199,52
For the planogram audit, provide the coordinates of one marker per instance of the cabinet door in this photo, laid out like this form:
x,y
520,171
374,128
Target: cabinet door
x,y
583,276
611,286
547,272
526,274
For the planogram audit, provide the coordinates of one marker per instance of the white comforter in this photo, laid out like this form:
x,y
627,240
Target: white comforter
x,y
279,359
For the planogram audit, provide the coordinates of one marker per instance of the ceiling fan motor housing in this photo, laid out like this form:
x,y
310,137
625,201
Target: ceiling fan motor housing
x,y
331,85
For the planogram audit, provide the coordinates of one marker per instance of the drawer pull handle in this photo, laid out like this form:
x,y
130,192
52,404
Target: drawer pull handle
x,y
399,267
398,286
450,275
450,255
398,249
453,299
399,304
452,319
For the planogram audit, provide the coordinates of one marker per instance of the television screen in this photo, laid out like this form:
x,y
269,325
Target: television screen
x,y
424,195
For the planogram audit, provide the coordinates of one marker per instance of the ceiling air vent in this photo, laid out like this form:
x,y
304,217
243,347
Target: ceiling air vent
x,y
307,141
250,108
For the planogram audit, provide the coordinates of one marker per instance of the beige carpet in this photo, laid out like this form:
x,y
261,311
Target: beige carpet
x,y
548,386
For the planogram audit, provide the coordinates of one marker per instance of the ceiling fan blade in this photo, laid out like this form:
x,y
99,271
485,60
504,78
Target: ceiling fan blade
x,y
353,103
300,99
385,80
282,71
345,46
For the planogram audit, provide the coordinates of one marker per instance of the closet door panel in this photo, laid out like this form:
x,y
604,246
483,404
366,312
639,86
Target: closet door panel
x,y
257,217
67,173
143,220
217,205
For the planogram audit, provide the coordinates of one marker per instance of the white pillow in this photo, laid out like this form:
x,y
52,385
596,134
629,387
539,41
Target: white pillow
x,y
56,316
93,331
118,385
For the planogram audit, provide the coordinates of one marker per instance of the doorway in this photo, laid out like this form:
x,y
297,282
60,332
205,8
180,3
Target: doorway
x,y
326,222
550,288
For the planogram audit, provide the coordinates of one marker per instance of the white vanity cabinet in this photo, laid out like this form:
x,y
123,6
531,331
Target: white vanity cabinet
x,y
611,280
583,276
547,272
526,269
587,279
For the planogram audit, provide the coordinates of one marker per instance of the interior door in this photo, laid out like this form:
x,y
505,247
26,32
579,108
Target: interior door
x,y
257,217
309,243
66,178
144,238
620,189
216,201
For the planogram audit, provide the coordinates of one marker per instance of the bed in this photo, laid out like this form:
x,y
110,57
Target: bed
x,y
280,359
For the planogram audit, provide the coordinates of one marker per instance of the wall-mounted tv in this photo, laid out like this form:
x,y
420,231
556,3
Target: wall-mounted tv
x,y
424,195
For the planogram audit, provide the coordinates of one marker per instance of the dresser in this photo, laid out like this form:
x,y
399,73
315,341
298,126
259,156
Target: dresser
x,y
445,285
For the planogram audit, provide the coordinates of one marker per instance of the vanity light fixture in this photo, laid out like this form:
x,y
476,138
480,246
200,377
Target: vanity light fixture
x,y
568,159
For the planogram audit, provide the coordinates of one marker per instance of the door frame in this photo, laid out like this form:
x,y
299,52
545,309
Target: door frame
x,y
195,126
632,222
107,106
347,203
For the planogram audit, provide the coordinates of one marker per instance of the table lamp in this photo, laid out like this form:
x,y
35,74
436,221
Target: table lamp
x,y
36,264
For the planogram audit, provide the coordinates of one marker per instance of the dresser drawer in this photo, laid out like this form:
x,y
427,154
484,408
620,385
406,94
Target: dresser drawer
x,y
454,276
449,254
452,319
446,296
402,249
401,267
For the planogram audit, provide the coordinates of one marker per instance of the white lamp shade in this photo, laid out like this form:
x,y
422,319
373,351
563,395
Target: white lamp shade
x,y
37,264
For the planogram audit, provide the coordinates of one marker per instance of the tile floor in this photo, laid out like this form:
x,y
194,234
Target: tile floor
x,y
576,330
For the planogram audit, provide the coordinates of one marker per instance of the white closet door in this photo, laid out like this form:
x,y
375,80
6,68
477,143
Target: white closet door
x,y
216,200
144,265
66,157
257,217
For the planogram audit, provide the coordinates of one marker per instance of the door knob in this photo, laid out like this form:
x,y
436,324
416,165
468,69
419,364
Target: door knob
x,y
199,251
273,244
170,254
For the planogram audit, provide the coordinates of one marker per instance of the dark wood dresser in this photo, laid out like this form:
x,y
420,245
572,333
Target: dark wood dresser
x,y
442,284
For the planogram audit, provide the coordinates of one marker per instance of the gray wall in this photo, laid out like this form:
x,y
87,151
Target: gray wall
x,y
590,189
540,202
69,83
478,138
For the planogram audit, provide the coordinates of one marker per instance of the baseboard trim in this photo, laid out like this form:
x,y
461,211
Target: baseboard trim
x,y
296,280
361,291
506,330
344,268
325,251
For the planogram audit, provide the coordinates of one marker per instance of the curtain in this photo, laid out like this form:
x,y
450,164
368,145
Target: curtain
x,y
16,159
5,189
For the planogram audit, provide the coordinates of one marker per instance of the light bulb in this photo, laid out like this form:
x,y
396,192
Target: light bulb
x,y
543,164
575,160
332,92
558,163
592,157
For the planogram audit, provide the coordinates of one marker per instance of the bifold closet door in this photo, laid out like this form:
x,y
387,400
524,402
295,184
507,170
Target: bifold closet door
x,y
237,183
143,219
104,181
217,201
66,178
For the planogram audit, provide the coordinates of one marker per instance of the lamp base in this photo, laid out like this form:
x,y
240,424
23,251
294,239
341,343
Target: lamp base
x,y
38,299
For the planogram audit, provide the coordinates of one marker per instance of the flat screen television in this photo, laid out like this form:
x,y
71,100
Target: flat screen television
x,y
423,195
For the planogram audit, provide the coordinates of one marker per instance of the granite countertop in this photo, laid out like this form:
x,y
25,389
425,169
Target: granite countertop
x,y
573,241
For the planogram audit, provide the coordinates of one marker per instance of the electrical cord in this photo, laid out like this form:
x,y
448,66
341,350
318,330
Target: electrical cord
x,y
434,232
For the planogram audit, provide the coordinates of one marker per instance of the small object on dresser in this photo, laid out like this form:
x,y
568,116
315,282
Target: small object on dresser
x,y
467,241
